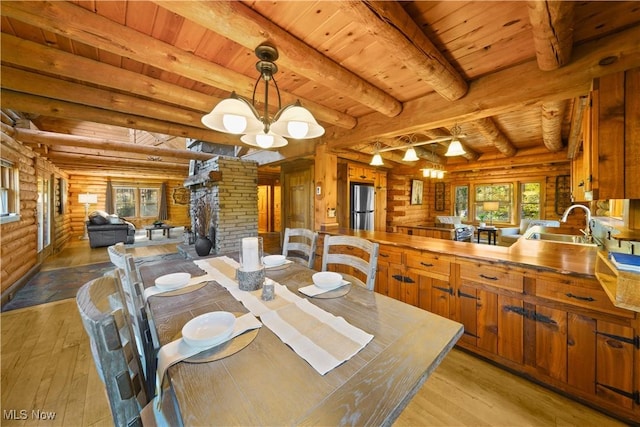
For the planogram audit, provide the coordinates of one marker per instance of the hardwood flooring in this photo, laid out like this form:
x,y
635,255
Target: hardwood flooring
x,y
47,366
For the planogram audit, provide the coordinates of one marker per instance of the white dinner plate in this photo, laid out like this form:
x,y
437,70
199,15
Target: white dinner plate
x,y
209,329
273,260
172,281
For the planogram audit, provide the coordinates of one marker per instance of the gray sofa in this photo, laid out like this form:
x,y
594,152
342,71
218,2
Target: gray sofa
x,y
107,230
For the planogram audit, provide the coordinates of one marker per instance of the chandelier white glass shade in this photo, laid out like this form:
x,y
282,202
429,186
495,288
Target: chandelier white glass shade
x,y
455,149
410,155
237,115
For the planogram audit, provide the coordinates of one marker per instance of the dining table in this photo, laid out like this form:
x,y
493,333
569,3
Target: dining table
x,y
265,382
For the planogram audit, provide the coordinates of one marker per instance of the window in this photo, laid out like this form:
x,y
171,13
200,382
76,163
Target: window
x,y
501,193
139,202
530,197
461,207
9,191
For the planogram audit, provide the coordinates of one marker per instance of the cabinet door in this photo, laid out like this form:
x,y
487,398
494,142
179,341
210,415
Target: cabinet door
x,y
581,352
511,315
467,313
487,328
614,369
435,295
551,342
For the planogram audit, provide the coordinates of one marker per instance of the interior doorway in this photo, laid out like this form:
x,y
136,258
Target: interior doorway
x,y
269,208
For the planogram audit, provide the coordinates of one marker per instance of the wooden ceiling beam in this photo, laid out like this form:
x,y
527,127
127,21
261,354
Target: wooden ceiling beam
x,y
49,87
243,25
552,28
501,92
552,114
525,157
488,128
67,110
405,40
31,136
113,162
94,30
34,56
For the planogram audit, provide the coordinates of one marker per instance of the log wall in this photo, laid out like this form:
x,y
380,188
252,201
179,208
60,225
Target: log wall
x,y
178,213
18,244
401,212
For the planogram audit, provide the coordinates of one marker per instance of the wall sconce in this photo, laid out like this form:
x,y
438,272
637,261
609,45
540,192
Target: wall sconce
x,y
87,199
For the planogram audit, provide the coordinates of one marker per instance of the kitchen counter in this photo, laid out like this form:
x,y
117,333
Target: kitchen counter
x,y
560,258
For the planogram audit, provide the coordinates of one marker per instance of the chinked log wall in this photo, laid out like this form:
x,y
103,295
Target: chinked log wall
x,y
18,246
401,212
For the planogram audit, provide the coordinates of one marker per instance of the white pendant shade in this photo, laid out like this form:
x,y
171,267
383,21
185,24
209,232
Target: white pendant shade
x,y
233,115
410,155
426,173
455,149
297,122
264,141
376,160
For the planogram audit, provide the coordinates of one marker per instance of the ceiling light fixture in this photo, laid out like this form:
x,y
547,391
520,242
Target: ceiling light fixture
x,y
236,115
455,148
410,155
377,158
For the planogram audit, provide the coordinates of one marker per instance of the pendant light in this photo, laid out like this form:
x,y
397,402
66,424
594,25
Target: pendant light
x,y
455,148
410,155
377,158
236,115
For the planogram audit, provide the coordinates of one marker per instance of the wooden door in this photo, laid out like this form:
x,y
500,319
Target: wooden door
x,y
511,328
264,208
551,342
298,199
614,369
277,208
467,313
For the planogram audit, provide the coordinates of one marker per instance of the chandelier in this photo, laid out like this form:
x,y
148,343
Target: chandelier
x,y
236,115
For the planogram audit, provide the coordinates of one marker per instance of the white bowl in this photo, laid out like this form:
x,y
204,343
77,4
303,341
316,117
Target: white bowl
x,y
327,279
173,281
273,260
209,329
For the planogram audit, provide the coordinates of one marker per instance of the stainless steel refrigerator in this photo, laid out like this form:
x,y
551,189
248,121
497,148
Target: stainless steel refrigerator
x,y
362,206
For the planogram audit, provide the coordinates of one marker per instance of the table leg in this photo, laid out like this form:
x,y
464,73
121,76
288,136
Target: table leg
x,y
479,236
149,234
168,233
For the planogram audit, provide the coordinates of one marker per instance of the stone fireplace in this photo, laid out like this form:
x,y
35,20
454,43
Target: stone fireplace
x,y
232,187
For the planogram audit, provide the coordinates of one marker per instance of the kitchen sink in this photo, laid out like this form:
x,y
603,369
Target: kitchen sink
x,y
544,234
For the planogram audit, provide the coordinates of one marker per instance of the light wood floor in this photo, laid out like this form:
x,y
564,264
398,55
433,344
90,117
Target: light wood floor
x,y
47,366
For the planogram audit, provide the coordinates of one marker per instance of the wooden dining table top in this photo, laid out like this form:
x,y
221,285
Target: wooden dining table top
x,y
267,383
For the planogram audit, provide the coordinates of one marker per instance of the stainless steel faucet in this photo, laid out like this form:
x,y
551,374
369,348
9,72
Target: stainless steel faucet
x,y
587,230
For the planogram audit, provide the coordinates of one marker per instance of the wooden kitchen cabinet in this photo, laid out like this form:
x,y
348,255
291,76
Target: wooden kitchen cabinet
x,y
583,341
491,308
361,173
610,168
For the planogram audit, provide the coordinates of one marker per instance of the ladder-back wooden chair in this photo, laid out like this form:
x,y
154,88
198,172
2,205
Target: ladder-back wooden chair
x,y
356,258
300,245
102,309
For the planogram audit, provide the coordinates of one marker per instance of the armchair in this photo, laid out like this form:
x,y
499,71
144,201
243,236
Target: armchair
x,y
463,232
508,235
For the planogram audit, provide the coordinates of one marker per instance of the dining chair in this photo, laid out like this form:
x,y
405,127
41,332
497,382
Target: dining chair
x,y
300,245
106,321
116,254
354,255
143,325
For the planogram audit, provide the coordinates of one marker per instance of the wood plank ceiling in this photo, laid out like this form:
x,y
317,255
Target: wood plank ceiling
x,y
511,75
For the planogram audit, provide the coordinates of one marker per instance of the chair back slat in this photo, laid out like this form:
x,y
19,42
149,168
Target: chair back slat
x,y
347,251
300,245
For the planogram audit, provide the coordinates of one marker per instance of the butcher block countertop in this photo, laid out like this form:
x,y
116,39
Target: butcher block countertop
x,y
575,260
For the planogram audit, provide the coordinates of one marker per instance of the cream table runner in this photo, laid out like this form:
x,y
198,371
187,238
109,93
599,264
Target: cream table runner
x,y
322,339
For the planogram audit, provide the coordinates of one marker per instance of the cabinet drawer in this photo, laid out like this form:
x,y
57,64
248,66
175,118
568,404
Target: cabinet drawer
x,y
430,262
390,255
578,293
491,275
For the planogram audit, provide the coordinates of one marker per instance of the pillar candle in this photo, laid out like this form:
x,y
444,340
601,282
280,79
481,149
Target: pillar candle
x,y
250,254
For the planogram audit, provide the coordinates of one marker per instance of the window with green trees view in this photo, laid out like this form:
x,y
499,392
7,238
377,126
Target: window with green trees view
x,y
530,196
501,193
136,202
